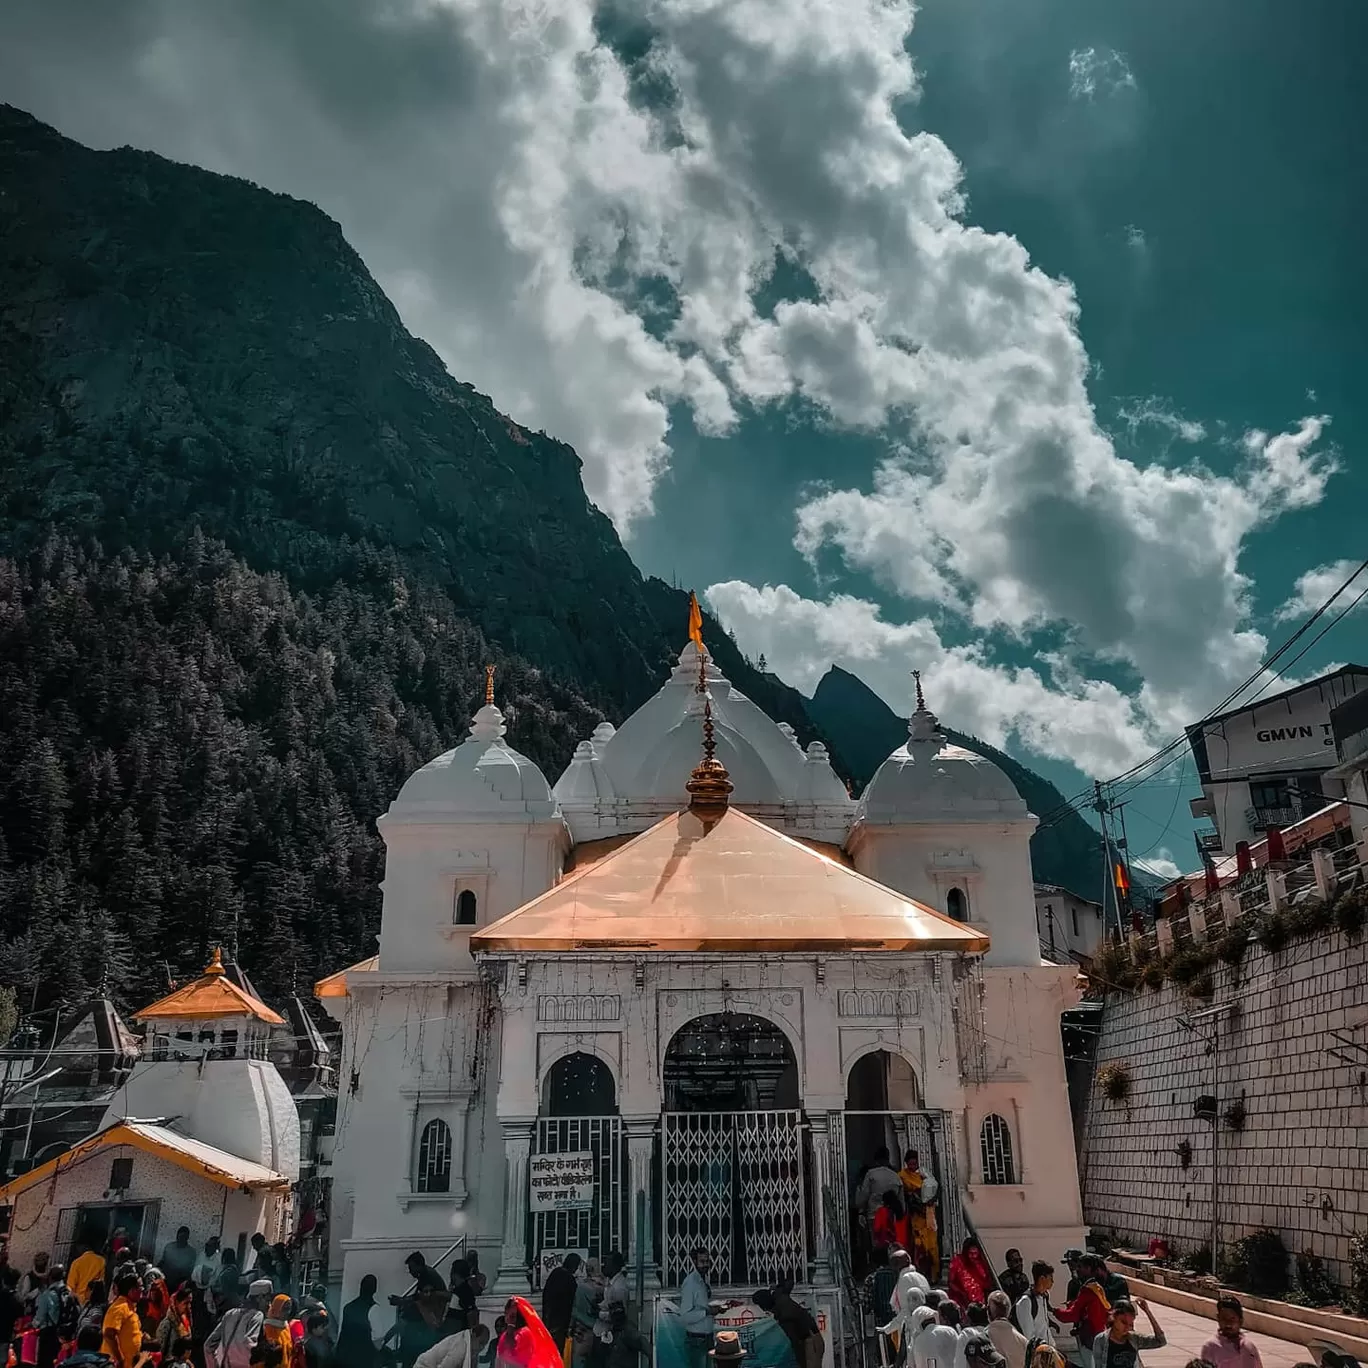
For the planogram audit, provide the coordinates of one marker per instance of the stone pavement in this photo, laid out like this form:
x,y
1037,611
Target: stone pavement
x,y
1187,1333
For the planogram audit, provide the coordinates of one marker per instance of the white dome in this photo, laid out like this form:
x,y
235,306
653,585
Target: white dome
x,y
648,760
930,780
481,779
672,759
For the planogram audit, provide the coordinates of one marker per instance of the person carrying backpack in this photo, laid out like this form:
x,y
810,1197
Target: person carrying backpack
x,y
55,1317
1031,1314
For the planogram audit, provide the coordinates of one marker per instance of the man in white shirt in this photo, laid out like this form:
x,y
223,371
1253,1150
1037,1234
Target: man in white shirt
x,y
460,1350
696,1311
940,1343
1033,1310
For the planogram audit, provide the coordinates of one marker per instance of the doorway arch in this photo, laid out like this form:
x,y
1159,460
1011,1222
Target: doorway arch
x,y
730,1062
579,1084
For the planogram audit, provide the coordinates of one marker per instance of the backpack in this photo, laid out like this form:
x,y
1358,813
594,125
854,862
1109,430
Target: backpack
x,y
1035,1306
68,1313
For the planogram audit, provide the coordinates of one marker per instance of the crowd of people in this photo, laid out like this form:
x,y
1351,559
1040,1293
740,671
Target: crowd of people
x,y
196,1306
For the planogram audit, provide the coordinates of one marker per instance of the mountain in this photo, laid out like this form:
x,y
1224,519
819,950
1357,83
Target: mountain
x,y
866,730
183,350
256,545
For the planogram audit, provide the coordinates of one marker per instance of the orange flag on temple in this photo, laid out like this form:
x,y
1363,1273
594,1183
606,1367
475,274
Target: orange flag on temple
x,y
1122,879
695,621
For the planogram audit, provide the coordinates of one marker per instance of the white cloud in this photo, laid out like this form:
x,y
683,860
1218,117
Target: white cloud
x,y
513,185
1050,710
1153,412
1160,863
1315,587
1097,71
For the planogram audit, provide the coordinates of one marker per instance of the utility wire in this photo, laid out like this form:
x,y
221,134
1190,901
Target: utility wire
x,y
1058,814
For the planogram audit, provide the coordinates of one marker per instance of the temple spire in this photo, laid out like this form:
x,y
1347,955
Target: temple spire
x,y
215,966
923,725
489,686
709,785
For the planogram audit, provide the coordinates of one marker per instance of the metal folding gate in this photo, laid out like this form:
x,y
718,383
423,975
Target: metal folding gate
x,y
602,1227
733,1183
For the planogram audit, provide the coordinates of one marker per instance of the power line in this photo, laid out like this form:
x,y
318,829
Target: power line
x,y
1058,814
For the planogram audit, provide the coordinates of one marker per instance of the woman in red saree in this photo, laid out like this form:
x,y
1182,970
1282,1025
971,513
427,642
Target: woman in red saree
x,y
970,1279
526,1342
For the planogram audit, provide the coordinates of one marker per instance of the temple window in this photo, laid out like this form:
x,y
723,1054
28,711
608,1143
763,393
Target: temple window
x,y
995,1141
466,908
957,905
434,1158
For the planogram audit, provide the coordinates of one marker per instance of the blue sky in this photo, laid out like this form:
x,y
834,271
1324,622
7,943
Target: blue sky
x,y
791,275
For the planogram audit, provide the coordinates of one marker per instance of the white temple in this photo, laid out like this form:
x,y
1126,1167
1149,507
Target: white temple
x,y
722,985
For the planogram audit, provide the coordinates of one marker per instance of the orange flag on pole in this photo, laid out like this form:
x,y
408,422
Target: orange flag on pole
x,y
695,621
1122,878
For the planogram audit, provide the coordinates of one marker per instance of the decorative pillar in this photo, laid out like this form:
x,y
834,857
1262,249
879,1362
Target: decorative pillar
x,y
517,1137
821,1180
1230,906
1277,890
1323,866
1163,935
640,1148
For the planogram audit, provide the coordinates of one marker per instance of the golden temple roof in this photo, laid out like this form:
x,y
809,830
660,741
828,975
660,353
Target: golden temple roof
x,y
724,883
335,985
210,997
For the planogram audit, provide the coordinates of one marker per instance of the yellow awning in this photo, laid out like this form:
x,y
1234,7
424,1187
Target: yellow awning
x,y
218,1166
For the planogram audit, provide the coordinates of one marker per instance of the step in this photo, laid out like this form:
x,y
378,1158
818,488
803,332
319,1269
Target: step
x,y
1296,1324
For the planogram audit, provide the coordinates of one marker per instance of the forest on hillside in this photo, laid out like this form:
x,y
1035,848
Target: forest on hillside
x,y
195,754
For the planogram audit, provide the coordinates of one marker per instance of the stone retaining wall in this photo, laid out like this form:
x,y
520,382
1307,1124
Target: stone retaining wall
x,y
1300,1165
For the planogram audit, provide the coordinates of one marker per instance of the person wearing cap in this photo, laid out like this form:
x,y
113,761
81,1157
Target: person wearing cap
x,y
1231,1347
1119,1346
232,1340
726,1348
980,1352
1070,1260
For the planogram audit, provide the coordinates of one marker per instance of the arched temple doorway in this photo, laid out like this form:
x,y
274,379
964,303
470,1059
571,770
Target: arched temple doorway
x,y
733,1170
885,1112
577,1169
730,1061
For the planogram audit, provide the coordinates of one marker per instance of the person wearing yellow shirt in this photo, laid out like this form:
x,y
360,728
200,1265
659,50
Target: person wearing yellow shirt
x,y
921,1192
84,1270
122,1336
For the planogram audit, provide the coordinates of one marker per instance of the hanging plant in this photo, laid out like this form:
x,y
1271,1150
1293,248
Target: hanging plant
x,y
1153,974
1351,911
1274,933
1232,946
1115,1082
1185,1153
1203,986
1234,1115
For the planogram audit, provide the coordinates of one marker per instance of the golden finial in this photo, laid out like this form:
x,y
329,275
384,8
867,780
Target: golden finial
x,y
489,686
709,785
215,966
921,702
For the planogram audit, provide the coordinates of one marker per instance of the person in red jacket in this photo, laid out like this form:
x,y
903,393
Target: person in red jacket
x,y
1090,1311
970,1279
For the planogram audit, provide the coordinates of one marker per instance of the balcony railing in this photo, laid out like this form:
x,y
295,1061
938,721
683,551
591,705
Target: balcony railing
x,y
1260,818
